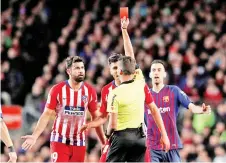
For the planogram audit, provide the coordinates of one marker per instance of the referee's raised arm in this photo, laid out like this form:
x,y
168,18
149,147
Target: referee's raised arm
x,y
126,39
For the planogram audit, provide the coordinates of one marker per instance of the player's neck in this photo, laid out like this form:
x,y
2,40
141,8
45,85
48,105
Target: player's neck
x,y
74,85
117,82
157,87
125,78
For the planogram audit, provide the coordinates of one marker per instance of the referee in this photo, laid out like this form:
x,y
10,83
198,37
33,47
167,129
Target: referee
x,y
126,115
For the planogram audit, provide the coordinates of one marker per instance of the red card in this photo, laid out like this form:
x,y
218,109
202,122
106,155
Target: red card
x,y
124,12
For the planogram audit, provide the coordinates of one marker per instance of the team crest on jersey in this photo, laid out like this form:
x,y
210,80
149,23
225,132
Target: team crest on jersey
x,y
165,98
84,99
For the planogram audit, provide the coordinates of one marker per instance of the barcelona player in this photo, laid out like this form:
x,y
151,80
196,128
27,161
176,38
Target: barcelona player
x,y
168,98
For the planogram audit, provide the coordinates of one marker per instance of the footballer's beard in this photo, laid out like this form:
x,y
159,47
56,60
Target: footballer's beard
x,y
79,78
157,83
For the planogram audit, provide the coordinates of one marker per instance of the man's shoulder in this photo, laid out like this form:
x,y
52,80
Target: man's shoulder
x,y
88,86
121,89
116,90
172,87
176,90
109,85
168,87
58,86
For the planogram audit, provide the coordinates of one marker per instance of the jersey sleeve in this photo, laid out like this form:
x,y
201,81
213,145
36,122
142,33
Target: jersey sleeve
x,y
183,98
112,103
52,98
92,100
103,103
148,96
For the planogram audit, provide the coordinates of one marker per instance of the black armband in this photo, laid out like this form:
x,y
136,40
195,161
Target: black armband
x,y
11,149
108,135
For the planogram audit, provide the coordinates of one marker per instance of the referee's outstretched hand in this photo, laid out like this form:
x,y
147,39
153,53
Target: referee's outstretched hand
x,y
165,143
124,22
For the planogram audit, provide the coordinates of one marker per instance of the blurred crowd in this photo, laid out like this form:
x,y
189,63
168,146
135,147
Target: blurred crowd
x,y
190,35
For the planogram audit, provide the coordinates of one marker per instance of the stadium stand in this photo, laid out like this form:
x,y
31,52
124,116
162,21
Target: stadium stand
x,y
37,35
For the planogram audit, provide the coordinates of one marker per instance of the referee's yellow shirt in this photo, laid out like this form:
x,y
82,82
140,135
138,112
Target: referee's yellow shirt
x,y
128,101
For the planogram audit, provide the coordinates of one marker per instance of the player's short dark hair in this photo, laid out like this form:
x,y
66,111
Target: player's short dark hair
x,y
72,59
114,57
128,65
159,61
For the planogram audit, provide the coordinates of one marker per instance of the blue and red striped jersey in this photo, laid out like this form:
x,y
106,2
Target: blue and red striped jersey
x,y
168,100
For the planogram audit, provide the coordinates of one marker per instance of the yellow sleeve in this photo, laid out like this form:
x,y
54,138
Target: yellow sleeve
x,y
138,74
112,104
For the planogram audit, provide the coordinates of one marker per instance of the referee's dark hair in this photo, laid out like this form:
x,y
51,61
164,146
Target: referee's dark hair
x,y
159,61
128,65
72,59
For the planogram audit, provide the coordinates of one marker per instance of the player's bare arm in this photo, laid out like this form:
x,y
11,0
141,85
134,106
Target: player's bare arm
x,y
204,109
112,125
126,39
99,128
159,122
30,140
5,137
98,121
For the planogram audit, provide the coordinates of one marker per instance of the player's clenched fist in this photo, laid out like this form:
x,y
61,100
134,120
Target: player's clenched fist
x,y
30,140
206,109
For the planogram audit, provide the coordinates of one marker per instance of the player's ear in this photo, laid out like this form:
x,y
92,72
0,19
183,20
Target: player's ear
x,y
121,72
165,74
68,71
150,74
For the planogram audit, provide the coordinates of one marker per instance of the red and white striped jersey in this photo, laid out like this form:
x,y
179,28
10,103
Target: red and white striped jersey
x,y
70,107
104,96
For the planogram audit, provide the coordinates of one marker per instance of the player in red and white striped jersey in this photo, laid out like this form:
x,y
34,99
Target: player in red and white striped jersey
x,y
70,100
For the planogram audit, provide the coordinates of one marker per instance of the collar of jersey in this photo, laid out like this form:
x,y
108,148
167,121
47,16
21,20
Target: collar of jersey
x,y
113,82
67,83
127,82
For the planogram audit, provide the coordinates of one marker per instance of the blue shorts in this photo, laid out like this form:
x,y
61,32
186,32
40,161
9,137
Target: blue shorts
x,y
162,156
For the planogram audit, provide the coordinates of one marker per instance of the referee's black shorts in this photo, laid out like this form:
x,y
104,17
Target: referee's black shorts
x,y
127,145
